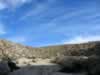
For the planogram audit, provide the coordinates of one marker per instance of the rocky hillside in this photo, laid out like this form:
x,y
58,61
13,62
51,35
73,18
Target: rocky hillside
x,y
14,50
69,59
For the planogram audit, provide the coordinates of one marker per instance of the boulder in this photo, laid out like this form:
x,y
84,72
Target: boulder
x,y
4,69
72,64
93,65
70,60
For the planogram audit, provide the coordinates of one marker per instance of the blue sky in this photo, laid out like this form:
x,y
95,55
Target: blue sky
x,y
48,22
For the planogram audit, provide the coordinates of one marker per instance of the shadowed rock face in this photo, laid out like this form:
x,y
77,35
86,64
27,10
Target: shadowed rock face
x,y
7,67
72,64
94,65
90,65
12,66
4,68
76,68
70,60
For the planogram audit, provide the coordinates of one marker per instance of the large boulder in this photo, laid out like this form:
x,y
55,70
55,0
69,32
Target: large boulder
x,y
93,65
72,63
90,64
4,69
69,60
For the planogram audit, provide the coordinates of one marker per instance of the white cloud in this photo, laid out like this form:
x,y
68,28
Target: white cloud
x,y
2,6
39,8
80,39
2,29
12,3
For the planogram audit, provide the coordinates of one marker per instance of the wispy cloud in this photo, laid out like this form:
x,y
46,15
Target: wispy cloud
x,y
2,5
40,7
64,20
50,21
82,39
12,3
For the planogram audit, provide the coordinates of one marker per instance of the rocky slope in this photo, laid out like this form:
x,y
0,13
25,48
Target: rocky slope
x,y
67,58
14,50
